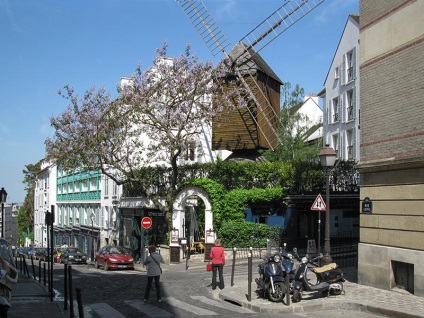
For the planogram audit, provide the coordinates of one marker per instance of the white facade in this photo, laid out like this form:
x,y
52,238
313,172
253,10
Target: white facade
x,y
341,95
311,114
44,198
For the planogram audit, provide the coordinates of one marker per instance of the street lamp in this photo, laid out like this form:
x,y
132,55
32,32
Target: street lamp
x,y
327,156
3,195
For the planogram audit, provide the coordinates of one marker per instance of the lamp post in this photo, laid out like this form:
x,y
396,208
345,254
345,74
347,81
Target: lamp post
x,y
3,196
327,156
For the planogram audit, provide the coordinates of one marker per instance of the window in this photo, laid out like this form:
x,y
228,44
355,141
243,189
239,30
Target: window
x,y
350,105
335,110
348,68
93,184
115,189
336,143
106,187
349,144
336,73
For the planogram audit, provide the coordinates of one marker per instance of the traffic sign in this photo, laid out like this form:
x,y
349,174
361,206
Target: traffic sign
x,y
146,222
319,204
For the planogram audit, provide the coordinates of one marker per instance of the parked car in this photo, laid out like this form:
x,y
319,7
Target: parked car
x,y
36,252
23,251
73,255
43,254
114,257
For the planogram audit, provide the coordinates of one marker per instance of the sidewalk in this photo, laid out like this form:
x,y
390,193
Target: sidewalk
x,y
32,297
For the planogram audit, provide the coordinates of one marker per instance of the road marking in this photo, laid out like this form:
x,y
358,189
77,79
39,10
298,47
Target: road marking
x,y
222,304
188,307
149,310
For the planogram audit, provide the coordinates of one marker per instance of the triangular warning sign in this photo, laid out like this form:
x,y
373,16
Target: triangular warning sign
x,y
319,204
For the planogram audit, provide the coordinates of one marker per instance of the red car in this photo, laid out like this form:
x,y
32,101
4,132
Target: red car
x,y
114,257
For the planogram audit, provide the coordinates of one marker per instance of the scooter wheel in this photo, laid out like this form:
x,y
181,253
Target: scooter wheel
x,y
280,290
297,296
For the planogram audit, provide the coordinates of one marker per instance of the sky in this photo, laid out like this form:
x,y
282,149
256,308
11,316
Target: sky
x,y
47,44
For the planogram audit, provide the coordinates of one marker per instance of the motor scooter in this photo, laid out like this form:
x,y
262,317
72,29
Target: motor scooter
x,y
329,278
289,267
271,279
8,277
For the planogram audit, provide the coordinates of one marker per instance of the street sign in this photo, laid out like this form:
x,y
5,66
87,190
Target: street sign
x,y
146,222
319,204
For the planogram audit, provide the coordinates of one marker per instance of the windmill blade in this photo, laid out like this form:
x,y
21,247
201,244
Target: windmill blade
x,y
205,25
278,22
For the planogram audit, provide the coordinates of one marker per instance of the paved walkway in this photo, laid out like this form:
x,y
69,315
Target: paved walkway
x,y
32,297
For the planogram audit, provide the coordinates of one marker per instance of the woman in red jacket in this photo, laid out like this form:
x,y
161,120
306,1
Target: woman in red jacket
x,y
217,258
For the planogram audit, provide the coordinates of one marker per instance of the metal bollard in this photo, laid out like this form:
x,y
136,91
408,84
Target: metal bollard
x,y
71,296
33,268
288,289
65,288
44,273
249,275
80,305
234,265
39,270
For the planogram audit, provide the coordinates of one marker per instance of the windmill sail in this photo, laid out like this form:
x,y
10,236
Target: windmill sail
x,y
265,116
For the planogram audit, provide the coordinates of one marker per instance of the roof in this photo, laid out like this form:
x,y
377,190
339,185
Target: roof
x,y
354,17
251,61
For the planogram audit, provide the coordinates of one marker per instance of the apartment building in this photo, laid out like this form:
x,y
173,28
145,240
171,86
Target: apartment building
x,y
392,145
341,95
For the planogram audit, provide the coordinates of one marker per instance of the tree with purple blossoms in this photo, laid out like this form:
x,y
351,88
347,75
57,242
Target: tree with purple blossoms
x,y
153,120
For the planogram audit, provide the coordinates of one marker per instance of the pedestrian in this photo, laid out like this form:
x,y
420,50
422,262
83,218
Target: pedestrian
x,y
153,272
217,257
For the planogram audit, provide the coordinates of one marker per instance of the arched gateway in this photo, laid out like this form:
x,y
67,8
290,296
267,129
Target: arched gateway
x,y
187,197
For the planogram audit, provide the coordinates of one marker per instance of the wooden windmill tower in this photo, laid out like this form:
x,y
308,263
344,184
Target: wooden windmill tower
x,y
256,126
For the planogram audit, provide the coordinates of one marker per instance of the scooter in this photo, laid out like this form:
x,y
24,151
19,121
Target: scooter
x,y
329,278
8,277
289,267
271,281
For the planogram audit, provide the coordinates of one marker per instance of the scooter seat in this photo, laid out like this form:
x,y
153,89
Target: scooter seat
x,y
325,268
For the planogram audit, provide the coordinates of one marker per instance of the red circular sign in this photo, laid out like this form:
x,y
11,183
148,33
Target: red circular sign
x,y
146,222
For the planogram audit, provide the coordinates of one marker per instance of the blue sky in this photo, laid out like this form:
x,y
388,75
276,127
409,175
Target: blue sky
x,y
46,44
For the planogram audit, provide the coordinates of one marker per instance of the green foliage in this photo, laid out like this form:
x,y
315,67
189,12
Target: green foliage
x,y
239,233
243,234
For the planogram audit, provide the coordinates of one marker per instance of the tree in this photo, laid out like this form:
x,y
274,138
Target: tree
x,y
294,130
158,114
25,217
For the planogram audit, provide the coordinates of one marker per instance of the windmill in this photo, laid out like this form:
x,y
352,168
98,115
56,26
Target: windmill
x,y
261,117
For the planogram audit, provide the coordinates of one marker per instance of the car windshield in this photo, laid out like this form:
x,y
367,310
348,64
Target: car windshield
x,y
118,250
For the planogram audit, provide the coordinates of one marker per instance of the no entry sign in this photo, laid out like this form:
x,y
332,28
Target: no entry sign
x,y
146,222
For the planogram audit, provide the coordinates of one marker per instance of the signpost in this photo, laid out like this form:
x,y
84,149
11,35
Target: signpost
x,y
146,222
319,205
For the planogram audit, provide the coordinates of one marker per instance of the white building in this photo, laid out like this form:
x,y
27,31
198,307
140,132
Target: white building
x,y
341,95
311,116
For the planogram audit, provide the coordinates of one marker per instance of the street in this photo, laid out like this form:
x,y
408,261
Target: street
x,y
185,293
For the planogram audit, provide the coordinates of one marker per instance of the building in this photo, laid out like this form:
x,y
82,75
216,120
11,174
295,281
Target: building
x,y
84,205
392,145
341,95
310,120
44,199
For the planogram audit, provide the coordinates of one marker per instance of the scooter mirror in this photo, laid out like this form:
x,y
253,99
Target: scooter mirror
x,y
294,250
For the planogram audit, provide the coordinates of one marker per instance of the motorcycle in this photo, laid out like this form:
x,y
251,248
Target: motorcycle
x,y
329,278
8,277
271,279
